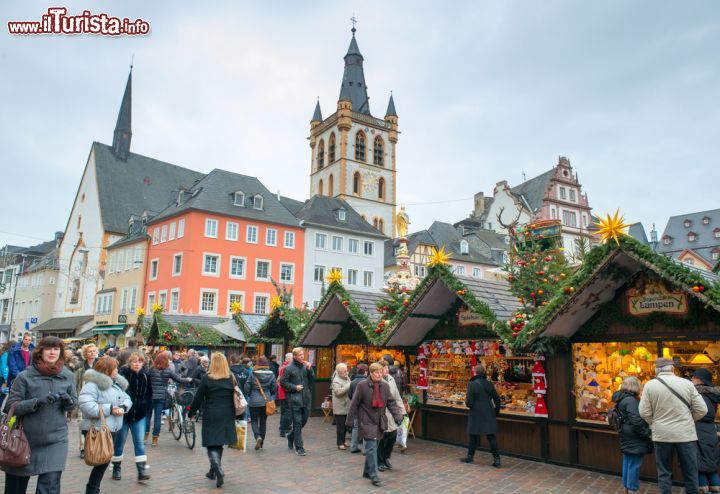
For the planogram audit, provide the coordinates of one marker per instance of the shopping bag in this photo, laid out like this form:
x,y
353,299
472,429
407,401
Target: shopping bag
x,y
402,433
241,427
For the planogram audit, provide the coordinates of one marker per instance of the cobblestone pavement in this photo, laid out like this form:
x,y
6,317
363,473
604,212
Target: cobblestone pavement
x,y
425,467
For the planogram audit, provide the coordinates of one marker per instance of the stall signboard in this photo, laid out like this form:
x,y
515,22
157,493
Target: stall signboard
x,y
658,300
468,318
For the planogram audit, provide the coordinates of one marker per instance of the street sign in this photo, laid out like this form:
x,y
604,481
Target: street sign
x,y
27,325
33,320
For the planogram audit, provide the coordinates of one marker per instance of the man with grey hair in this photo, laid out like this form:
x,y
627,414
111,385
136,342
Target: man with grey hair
x,y
671,405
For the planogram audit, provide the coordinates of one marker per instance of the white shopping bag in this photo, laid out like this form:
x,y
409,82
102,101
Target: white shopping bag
x,y
402,433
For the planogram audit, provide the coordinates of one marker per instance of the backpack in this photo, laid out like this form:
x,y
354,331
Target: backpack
x,y
615,419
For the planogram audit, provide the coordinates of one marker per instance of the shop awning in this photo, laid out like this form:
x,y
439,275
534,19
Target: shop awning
x,y
118,328
56,324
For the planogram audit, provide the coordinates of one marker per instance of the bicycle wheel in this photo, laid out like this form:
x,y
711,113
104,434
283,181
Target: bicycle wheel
x,y
176,423
189,429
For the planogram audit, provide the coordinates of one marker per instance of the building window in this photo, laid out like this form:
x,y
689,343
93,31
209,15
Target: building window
x,y
360,146
261,304
150,302
239,198
128,259
162,299
251,235
357,183
553,213
271,237
156,235
321,154
420,271
572,195
138,257
381,225
208,298
687,223
715,254
569,218
353,244
341,214
110,264
692,237
123,301
79,221
320,187
211,228
132,302
181,228
706,220
375,222
211,265
460,270
154,267
716,233
287,272
235,297
237,267
177,265
381,188
320,240
378,151
289,240
319,274
689,261
331,148
262,270
562,193
173,229
120,261
174,300
331,185
163,233
477,273
258,202
368,248
352,277
464,247
231,231
667,240
368,279
337,243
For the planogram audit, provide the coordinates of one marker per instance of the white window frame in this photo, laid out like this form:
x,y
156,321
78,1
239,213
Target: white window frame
x,y
111,263
341,214
460,270
339,240
216,274
322,236
464,247
322,277
352,277
211,228
292,272
365,279
289,236
269,269
572,195
563,194
244,270
356,243
175,256
138,258
570,214
124,301
212,312
128,259
176,309
258,205
231,225
477,272
156,236
367,243
181,228
157,269
266,296
163,233
251,228
274,232
420,271
172,230
132,302
229,300
150,302
241,202
161,294
120,258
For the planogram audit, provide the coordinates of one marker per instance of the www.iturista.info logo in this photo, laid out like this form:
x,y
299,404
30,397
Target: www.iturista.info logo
x,y
57,21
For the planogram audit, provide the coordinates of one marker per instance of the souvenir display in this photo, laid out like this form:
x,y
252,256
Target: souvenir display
x,y
353,354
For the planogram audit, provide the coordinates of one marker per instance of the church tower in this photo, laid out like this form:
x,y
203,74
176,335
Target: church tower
x,y
123,127
353,153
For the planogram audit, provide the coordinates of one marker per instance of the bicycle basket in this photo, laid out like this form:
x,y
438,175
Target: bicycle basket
x,y
185,398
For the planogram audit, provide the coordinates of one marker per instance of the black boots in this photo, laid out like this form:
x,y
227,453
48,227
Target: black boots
x,y
142,475
466,459
496,461
216,471
116,473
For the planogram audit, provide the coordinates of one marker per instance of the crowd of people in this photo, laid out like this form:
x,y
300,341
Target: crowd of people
x,y
46,384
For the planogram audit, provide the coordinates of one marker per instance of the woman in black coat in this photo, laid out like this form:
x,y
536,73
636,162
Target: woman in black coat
x,y
215,397
484,404
261,378
635,439
708,450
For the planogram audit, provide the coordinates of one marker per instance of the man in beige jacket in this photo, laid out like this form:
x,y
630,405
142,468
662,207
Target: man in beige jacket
x,y
671,405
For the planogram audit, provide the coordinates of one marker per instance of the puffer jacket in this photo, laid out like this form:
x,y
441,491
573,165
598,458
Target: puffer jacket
x,y
268,383
635,433
708,453
340,399
159,381
668,417
140,391
296,373
101,390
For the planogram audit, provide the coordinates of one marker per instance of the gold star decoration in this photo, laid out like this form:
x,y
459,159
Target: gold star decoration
x,y
612,227
438,257
140,311
235,307
157,307
335,276
275,302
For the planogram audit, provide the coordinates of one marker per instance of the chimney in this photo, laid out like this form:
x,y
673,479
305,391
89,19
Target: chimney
x,y
58,238
479,205
278,195
135,224
653,235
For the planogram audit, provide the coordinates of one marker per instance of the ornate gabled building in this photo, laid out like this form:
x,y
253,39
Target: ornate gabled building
x,y
693,238
353,152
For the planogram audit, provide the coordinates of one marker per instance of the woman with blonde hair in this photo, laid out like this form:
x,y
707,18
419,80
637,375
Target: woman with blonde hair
x,y
635,439
215,397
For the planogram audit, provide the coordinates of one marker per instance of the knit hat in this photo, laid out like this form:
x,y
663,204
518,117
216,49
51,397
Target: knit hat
x,y
704,375
663,362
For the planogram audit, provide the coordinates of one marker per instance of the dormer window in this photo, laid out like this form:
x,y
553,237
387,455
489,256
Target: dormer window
x,y
239,199
716,233
341,214
706,220
692,237
687,223
464,247
258,202
667,240
715,254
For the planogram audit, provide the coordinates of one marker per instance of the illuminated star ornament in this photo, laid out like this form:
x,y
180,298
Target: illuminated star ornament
x,y
335,276
612,227
157,307
275,302
140,311
235,307
438,257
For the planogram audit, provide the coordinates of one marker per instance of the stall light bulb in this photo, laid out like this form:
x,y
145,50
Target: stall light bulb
x,y
666,353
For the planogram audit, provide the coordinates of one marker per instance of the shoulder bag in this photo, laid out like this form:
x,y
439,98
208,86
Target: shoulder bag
x,y
98,442
269,404
14,446
239,400
676,394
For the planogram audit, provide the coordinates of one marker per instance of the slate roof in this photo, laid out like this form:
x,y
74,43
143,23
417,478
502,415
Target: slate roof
x,y
133,186
215,194
210,321
533,190
129,239
322,211
368,303
317,114
391,112
292,205
353,83
254,321
494,293
63,323
705,242
637,231
48,261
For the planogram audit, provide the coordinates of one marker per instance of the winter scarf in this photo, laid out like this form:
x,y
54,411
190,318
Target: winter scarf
x,y
47,369
376,400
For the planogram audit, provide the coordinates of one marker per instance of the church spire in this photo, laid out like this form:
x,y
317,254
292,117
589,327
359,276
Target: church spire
x,y
391,108
317,116
123,128
353,83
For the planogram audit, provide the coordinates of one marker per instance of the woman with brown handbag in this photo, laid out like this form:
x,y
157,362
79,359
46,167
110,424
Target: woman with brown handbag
x,y
104,389
43,393
260,388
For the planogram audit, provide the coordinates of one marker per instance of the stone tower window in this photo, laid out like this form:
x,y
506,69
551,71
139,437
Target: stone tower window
x,y
356,183
331,148
381,188
321,154
330,185
378,151
360,146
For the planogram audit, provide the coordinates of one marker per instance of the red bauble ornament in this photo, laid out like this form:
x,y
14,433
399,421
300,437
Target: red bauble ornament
x,y
533,295
406,303
548,259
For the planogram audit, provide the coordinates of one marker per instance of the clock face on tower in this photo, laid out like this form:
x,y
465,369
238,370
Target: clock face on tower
x,y
369,181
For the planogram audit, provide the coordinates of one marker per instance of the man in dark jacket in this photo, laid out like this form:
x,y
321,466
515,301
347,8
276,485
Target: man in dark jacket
x,y
361,371
296,381
274,366
191,363
370,400
708,450
484,404
20,357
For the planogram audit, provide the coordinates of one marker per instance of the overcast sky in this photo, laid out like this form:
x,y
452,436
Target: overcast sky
x,y
628,91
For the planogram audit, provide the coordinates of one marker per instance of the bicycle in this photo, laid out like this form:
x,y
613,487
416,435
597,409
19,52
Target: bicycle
x,y
178,421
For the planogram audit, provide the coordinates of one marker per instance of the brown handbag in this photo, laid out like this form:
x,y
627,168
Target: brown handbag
x,y
98,443
14,446
239,401
269,404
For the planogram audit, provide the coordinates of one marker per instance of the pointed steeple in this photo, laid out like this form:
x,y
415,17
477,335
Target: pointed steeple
x,y
353,86
123,127
391,108
317,116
